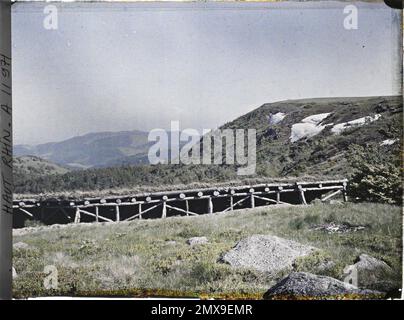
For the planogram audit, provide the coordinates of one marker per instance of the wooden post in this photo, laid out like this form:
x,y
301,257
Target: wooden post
x,y
278,195
96,214
78,215
344,192
252,201
232,192
140,211
301,194
252,198
187,207
164,210
210,205
118,218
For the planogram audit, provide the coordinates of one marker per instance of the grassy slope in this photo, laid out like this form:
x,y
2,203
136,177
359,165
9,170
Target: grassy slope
x,y
326,152
36,166
136,258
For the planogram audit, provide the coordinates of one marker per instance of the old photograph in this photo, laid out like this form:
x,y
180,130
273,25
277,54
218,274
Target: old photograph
x,y
225,150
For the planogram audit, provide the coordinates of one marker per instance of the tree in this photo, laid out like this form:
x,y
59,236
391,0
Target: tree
x,y
377,174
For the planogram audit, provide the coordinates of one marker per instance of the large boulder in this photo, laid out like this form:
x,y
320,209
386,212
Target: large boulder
x,y
303,285
266,253
375,274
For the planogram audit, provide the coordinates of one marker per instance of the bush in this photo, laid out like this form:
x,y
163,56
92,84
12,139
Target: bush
x,y
377,175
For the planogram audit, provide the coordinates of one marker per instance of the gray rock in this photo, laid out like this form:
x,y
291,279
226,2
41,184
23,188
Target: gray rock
x,y
197,240
20,245
375,274
266,253
366,262
303,285
325,266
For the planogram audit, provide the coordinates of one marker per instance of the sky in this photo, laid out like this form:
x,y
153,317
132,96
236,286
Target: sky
x,y
116,66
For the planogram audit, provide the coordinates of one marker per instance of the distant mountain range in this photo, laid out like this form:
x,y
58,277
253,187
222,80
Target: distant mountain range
x,y
93,150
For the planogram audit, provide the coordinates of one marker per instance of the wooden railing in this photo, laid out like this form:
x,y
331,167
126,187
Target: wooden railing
x,y
182,201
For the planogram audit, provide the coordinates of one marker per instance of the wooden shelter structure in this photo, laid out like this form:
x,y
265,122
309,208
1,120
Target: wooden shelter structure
x,y
189,202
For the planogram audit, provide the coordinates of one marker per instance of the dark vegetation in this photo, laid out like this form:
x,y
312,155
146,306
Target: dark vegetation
x,y
377,176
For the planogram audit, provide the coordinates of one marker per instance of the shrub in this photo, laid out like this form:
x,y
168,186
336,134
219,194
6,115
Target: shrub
x,y
377,176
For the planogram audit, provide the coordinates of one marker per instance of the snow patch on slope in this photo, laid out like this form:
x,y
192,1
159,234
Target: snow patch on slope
x,y
276,118
308,127
316,118
388,142
338,128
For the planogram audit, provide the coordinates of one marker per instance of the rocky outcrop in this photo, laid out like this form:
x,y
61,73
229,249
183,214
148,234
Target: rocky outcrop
x,y
375,274
303,285
266,253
